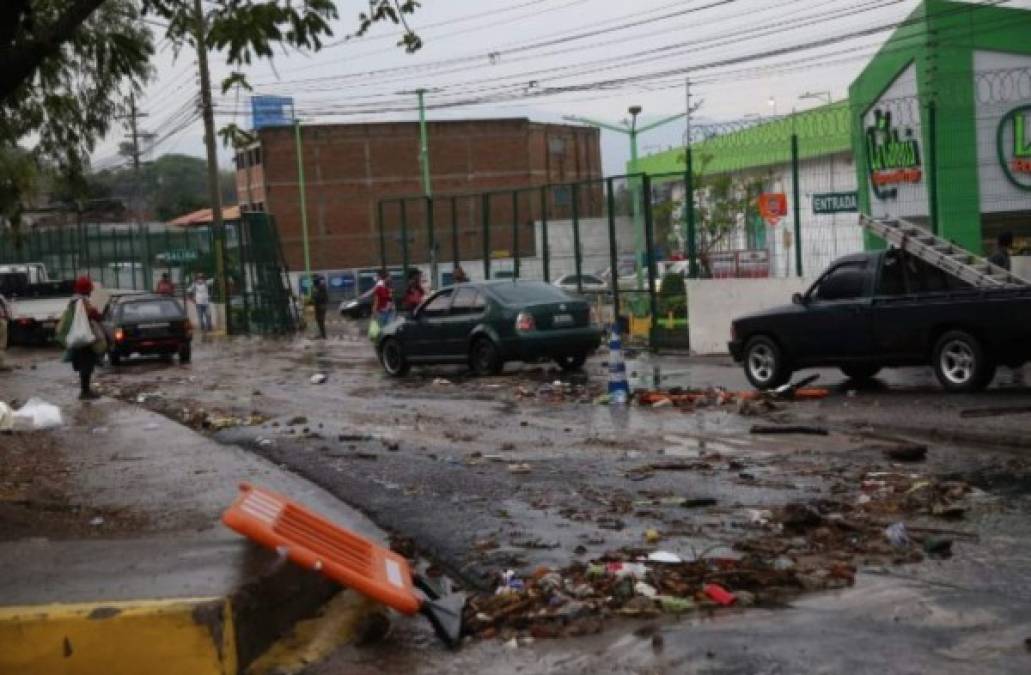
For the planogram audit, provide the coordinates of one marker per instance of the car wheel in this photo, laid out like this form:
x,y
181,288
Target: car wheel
x,y
569,363
185,354
115,359
960,363
392,357
765,364
860,372
484,357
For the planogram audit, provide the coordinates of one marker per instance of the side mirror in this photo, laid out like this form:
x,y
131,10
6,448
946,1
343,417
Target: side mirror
x,y
797,299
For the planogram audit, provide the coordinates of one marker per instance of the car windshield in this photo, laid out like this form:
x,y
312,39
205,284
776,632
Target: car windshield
x,y
523,292
151,309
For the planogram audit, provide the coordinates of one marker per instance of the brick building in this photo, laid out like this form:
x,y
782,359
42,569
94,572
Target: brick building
x,y
348,168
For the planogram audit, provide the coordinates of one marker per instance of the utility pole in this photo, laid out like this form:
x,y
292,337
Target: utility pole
x,y
214,188
427,188
302,190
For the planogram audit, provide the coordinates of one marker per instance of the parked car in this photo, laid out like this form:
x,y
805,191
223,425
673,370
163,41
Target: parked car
x,y
357,308
35,301
590,283
886,309
146,324
488,323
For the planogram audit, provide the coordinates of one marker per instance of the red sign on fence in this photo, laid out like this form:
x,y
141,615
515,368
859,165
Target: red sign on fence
x,y
773,206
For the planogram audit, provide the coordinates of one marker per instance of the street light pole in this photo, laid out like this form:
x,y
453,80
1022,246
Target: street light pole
x,y
301,190
632,131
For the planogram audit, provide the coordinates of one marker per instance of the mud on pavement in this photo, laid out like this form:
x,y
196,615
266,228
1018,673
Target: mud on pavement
x,y
547,506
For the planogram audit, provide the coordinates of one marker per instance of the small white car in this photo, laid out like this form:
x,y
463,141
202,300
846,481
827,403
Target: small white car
x,y
590,283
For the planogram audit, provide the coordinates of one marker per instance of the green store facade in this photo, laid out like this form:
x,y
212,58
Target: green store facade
x,y
936,129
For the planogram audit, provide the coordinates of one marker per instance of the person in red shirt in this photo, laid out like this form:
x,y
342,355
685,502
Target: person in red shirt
x,y
165,286
383,299
415,292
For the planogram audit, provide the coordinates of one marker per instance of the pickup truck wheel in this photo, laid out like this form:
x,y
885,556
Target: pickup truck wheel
x,y
857,372
765,364
960,362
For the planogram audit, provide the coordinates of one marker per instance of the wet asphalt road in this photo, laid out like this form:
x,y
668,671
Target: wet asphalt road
x,y
432,461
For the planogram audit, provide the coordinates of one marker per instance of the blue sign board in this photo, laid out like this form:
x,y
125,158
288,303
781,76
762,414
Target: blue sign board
x,y
341,281
271,111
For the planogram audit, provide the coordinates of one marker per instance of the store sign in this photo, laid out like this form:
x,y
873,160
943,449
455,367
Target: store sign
x,y
1014,146
178,255
835,202
892,159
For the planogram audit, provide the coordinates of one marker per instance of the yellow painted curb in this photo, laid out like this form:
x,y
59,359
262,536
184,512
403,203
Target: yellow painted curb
x,y
152,637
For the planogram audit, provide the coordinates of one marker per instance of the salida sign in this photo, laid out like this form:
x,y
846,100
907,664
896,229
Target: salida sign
x,y
1014,146
892,159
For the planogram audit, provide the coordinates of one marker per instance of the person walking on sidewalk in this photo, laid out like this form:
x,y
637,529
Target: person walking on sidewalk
x,y
383,299
1001,257
84,359
200,292
320,300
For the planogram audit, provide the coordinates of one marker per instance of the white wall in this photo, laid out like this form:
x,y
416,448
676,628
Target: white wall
x,y
713,303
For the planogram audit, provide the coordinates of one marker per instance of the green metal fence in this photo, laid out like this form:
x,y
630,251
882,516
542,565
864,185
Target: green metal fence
x,y
243,259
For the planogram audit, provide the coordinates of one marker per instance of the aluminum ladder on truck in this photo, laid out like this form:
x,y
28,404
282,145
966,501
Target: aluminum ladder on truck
x,y
944,255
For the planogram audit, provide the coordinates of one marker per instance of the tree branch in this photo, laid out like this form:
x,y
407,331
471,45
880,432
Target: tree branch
x,y
21,59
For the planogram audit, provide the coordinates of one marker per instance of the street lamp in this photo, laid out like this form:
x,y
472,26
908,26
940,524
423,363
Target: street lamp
x,y
631,130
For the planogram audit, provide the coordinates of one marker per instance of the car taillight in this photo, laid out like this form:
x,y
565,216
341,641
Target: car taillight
x,y
525,322
119,335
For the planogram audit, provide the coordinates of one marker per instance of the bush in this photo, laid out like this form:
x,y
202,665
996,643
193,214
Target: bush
x,y
672,285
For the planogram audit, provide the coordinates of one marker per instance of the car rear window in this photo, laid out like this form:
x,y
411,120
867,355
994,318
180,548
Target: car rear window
x,y
151,309
520,292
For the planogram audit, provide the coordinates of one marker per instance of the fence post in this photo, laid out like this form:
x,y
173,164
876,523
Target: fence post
x,y
649,243
148,274
577,260
454,234
485,217
796,204
404,239
382,237
544,234
515,234
692,235
613,258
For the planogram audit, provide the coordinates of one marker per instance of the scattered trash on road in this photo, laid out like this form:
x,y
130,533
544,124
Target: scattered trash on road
x,y
318,378
36,415
520,468
6,417
441,382
897,535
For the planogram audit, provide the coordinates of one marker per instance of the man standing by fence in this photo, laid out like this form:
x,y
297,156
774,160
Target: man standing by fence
x,y
200,292
320,301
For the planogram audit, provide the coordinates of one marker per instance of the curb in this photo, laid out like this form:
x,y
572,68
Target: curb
x,y
266,620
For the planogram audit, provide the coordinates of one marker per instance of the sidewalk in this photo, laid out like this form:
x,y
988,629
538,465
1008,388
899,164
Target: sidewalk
x,y
114,556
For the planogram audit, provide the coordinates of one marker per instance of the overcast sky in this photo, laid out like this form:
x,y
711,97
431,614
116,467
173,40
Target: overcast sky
x,y
507,58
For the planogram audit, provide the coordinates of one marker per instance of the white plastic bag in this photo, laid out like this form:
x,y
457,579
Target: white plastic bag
x,y
81,333
37,414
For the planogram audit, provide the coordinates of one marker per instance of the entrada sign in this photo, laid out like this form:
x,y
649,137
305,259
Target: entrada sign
x,y
1013,142
835,202
892,160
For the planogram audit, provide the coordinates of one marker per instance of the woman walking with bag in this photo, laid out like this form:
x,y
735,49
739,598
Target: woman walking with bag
x,y
82,336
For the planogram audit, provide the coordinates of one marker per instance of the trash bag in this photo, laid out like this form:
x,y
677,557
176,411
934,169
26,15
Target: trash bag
x,y
80,332
37,414
374,330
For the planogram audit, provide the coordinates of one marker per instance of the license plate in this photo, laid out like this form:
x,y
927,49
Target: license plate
x,y
153,325
562,320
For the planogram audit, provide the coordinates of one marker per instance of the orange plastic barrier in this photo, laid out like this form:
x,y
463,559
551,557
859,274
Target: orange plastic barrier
x,y
314,542
812,393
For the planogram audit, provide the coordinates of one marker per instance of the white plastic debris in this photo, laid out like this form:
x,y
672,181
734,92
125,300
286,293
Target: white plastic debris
x,y
759,516
664,557
441,381
6,417
37,414
647,590
318,378
97,522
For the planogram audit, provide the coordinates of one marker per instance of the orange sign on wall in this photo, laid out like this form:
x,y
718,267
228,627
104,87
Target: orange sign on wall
x,y
773,206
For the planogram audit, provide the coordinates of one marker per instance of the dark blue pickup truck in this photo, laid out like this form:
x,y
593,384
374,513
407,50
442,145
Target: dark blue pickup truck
x,y
885,309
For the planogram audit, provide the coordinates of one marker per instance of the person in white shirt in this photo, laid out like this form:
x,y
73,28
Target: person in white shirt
x,y
200,292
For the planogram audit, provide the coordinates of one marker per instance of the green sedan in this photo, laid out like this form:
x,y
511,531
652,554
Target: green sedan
x,y
488,323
